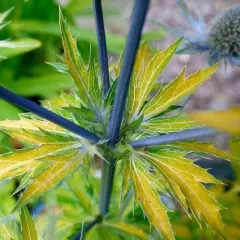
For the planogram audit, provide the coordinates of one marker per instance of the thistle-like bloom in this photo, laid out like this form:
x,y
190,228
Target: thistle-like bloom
x,y
220,38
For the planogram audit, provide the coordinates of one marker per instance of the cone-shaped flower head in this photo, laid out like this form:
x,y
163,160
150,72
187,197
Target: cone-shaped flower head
x,y
220,37
224,35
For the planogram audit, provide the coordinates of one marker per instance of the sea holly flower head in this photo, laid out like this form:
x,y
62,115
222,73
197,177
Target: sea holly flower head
x,y
219,37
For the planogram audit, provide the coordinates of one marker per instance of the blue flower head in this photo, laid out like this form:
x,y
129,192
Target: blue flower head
x,y
220,38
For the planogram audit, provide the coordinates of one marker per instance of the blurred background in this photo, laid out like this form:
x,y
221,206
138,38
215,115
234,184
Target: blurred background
x,y
28,71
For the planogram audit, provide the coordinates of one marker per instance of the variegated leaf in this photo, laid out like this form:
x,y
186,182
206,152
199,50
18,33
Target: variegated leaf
x,y
168,124
176,90
151,202
31,125
202,204
146,72
21,161
49,178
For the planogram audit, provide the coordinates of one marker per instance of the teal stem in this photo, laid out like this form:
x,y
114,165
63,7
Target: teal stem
x,y
133,40
108,169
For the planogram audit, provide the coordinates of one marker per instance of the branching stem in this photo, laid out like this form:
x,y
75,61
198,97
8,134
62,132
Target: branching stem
x,y
44,113
173,137
134,36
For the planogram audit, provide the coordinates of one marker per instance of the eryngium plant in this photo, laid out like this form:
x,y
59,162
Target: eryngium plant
x,y
126,140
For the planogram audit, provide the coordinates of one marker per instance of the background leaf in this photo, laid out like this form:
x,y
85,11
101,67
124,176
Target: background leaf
x,y
17,47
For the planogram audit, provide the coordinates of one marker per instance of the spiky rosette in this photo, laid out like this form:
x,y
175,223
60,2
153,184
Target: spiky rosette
x,y
53,153
224,35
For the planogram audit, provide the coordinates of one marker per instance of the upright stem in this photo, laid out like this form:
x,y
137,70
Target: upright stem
x,y
106,185
134,36
138,17
102,45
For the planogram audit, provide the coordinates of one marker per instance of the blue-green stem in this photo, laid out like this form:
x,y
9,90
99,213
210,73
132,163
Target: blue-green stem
x,y
173,137
102,45
138,18
44,113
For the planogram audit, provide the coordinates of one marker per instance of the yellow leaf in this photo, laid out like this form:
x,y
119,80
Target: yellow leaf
x,y
178,193
200,201
65,100
37,138
20,161
207,148
168,124
146,72
177,163
51,177
29,137
176,90
28,226
31,125
127,228
151,203
227,121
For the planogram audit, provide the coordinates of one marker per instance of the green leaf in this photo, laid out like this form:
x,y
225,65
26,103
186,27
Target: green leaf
x,y
55,83
99,232
14,48
82,112
8,111
133,125
176,90
83,75
111,93
83,197
28,226
168,124
115,43
153,35
3,16
146,72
